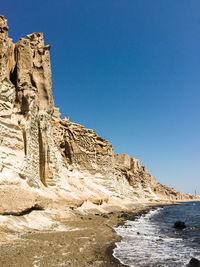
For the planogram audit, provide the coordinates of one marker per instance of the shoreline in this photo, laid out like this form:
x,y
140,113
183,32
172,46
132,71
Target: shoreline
x,y
76,237
84,240
132,215
155,250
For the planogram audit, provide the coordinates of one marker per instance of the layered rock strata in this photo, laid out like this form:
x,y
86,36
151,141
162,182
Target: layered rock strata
x,y
117,175
47,161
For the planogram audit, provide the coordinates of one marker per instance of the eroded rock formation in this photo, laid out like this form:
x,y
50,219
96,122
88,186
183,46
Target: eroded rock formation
x,y
47,161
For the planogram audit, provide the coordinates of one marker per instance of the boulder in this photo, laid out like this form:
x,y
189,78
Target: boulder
x,y
179,225
194,263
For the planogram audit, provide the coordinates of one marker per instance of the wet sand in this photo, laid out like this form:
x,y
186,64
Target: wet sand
x,y
88,241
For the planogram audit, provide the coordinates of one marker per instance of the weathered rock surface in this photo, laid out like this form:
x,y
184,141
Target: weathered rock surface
x,y
116,175
47,161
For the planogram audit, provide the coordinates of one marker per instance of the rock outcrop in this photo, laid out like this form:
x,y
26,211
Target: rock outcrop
x,y
117,175
47,161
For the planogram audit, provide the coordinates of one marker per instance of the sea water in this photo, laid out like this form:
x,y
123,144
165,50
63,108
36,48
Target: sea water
x,y
151,240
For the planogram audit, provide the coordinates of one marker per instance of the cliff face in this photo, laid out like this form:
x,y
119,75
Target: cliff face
x,y
26,107
46,161
116,175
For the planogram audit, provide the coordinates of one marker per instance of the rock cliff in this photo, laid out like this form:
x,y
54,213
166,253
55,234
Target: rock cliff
x,y
46,161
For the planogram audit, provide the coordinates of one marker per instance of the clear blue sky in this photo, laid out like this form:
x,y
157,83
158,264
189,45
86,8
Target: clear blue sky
x,y
130,69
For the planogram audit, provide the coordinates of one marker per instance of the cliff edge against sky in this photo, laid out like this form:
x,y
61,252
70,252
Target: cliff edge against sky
x,y
49,162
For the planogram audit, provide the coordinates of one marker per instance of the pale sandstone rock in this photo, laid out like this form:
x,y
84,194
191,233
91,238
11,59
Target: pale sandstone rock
x,y
123,160
49,162
116,175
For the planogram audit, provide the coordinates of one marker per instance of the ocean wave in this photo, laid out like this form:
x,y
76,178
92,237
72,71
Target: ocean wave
x,y
151,239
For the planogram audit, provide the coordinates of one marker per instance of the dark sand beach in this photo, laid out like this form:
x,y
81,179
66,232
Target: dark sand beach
x,y
88,241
